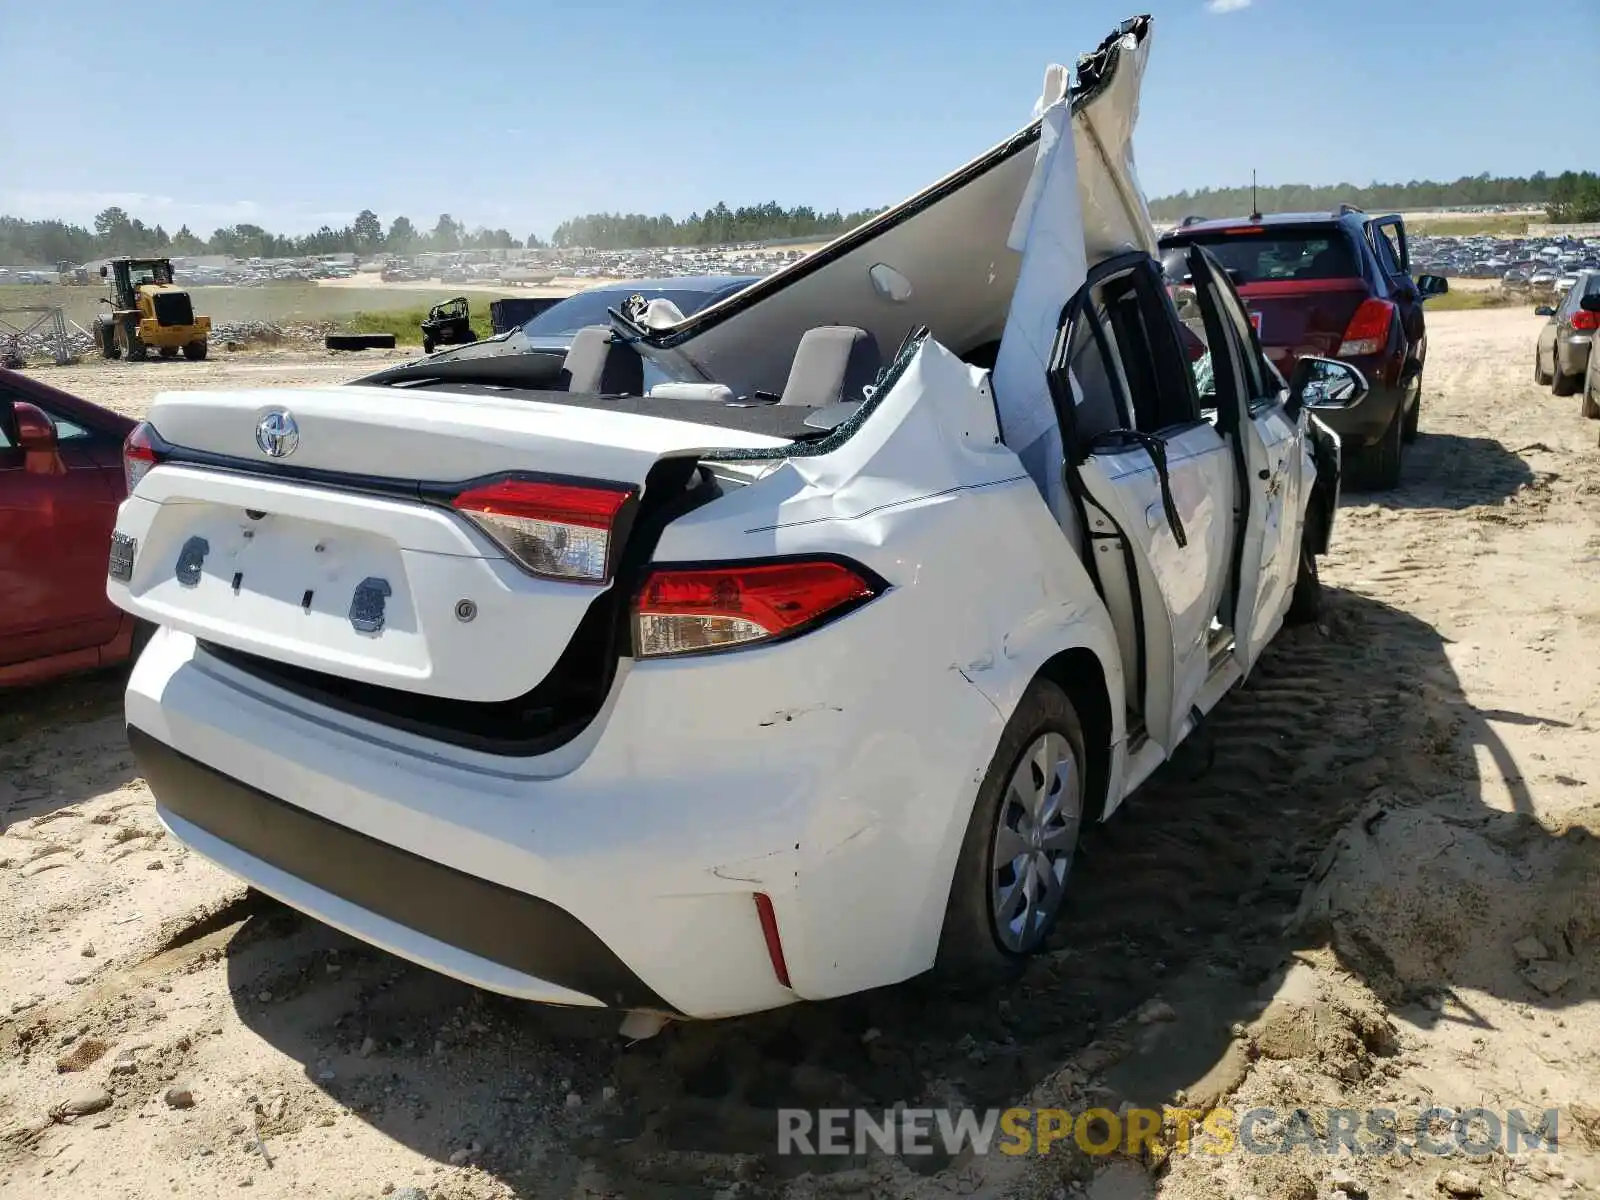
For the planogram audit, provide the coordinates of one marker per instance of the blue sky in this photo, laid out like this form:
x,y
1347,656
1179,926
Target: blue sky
x,y
291,114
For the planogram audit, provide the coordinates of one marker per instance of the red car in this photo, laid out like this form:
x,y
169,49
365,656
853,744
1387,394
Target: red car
x,y
60,483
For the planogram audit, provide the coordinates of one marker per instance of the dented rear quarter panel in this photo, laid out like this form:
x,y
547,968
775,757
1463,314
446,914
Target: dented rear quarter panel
x,y
983,590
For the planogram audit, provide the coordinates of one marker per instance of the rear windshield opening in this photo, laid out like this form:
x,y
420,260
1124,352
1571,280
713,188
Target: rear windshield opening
x,y
1272,256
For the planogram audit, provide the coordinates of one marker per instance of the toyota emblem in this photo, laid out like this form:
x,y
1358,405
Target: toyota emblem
x,y
277,434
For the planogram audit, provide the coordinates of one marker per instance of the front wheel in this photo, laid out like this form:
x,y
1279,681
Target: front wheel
x,y
1305,606
1016,857
195,351
131,344
1591,395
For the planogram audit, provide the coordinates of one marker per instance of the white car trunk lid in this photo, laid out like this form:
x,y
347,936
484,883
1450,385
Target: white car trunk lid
x,y
342,555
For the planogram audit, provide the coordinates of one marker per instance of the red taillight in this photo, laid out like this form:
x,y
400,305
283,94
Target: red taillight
x,y
681,611
138,454
557,530
1368,331
1584,321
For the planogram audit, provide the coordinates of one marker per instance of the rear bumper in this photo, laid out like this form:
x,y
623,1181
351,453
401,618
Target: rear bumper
x,y
622,868
1572,353
487,932
156,333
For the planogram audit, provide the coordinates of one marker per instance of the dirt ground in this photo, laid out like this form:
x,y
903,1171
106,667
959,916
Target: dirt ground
x,y
1371,880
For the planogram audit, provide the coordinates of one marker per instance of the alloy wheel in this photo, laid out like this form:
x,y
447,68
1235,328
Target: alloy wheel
x,y
1034,840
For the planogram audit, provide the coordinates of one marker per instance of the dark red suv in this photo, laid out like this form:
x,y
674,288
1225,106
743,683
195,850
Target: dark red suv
x,y
1338,285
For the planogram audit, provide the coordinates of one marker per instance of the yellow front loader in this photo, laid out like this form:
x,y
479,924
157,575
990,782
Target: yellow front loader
x,y
147,311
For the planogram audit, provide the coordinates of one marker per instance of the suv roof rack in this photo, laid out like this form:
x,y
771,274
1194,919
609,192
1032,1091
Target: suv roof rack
x,y
1347,209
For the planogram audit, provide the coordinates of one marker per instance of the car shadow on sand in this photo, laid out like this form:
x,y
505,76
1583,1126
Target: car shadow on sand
x,y
62,743
1452,472
1351,752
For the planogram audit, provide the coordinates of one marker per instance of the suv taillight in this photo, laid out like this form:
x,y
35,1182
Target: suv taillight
x,y
695,609
1368,331
138,454
553,530
1584,321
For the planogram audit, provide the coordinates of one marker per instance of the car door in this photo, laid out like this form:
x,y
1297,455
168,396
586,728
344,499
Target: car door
x,y
1388,239
55,532
1271,456
1154,483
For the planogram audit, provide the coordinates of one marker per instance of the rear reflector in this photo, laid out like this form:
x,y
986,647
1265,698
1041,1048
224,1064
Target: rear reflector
x,y
1584,321
554,530
769,930
138,454
688,610
1368,331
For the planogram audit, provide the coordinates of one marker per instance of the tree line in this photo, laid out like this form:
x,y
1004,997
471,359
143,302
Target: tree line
x,y
717,226
1572,196
1564,197
115,232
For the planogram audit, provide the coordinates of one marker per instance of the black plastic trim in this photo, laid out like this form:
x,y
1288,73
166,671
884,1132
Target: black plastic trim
x,y
494,922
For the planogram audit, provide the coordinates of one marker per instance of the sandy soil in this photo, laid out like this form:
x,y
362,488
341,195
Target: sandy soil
x,y
1372,879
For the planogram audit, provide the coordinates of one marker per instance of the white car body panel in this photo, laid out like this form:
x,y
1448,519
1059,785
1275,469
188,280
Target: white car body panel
x,y
1180,587
378,432
833,773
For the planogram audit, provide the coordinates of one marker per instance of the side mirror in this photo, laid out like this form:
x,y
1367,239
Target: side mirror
x,y
1432,285
1544,310
1325,383
36,436
102,272
1590,303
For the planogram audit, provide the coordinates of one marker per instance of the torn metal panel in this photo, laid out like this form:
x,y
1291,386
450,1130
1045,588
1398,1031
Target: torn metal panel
x,y
941,259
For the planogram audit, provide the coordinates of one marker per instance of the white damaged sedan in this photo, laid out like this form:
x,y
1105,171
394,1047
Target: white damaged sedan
x,y
793,676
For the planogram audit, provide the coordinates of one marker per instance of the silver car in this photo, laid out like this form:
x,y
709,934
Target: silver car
x,y
1591,379
1562,355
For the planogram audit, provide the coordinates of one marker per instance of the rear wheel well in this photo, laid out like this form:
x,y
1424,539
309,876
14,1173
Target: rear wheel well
x,y
1079,673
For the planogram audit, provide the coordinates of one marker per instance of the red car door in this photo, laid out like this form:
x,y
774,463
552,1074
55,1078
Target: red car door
x,y
55,531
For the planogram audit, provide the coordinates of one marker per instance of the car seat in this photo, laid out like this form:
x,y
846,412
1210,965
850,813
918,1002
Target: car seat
x,y
599,362
833,363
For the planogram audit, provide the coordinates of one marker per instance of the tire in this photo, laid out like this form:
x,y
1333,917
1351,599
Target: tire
x,y
359,341
973,950
168,352
427,345
1378,467
1591,396
1411,429
105,337
131,344
1306,604
1565,385
195,351
1539,375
